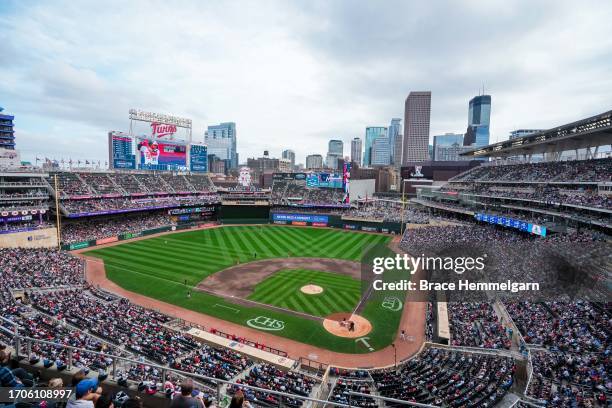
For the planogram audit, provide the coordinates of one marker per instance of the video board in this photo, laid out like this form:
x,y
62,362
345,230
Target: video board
x,y
324,180
157,155
512,223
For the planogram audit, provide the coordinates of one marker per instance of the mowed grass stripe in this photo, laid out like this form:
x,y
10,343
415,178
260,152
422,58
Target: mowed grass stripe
x,y
243,253
271,241
282,239
350,242
153,259
283,288
276,291
188,251
247,243
179,254
163,270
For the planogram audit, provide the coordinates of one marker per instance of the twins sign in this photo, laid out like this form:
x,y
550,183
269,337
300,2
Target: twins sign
x,y
159,130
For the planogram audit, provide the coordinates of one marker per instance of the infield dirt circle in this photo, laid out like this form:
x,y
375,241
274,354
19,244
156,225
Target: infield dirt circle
x,y
337,324
311,289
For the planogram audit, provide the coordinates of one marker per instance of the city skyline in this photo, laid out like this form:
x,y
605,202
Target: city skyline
x,y
68,87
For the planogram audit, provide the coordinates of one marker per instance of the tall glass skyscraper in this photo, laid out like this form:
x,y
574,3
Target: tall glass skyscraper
x,y
381,151
356,150
479,120
372,133
335,151
395,130
221,141
289,155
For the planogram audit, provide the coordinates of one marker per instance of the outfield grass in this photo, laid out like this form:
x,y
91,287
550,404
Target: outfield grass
x,y
159,267
341,293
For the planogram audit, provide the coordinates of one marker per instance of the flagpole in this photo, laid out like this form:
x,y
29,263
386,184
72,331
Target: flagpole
x,y
57,215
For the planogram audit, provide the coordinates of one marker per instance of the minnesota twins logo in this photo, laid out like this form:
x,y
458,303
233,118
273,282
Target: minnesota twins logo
x,y
392,303
266,323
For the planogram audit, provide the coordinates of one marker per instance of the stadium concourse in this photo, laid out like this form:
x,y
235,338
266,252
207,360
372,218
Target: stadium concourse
x,y
544,353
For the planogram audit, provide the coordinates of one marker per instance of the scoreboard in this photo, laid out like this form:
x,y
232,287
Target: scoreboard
x,y
121,151
198,158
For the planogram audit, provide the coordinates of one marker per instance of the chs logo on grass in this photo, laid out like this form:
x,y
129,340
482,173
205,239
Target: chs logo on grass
x,y
266,323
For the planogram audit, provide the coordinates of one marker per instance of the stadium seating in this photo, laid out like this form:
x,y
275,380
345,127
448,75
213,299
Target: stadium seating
x,y
453,378
565,171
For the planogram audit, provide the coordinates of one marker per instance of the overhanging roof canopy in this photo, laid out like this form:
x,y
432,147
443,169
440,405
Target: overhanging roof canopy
x,y
590,132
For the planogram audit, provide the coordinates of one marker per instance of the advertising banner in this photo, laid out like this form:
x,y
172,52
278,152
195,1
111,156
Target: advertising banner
x,y
78,245
106,240
512,223
300,217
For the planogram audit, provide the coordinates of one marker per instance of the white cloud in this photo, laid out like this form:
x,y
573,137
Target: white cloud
x,y
293,75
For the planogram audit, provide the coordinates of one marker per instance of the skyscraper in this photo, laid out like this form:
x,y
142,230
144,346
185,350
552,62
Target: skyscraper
x,y
372,133
356,146
417,111
221,141
479,120
381,151
314,161
7,132
395,129
335,151
289,155
397,150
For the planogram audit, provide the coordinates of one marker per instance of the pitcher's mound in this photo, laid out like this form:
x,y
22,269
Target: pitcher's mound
x,y
339,324
311,289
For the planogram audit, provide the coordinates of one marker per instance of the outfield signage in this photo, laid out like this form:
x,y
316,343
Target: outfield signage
x,y
512,223
300,217
78,245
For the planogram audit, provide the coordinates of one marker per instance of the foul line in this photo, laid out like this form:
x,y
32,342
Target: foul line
x,y
227,307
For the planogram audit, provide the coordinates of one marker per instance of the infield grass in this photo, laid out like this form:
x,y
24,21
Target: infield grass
x,y
341,293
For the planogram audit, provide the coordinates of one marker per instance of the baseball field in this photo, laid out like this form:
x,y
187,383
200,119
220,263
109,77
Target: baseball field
x,y
256,276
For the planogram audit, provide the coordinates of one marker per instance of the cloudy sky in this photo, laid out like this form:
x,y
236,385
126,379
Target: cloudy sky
x,y
293,74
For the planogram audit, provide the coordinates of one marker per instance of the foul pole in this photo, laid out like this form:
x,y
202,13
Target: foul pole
x,y
57,215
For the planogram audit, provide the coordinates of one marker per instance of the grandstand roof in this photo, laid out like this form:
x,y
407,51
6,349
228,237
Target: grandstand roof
x,y
585,133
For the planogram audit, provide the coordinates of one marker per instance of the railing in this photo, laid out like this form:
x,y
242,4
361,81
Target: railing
x,y
19,341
